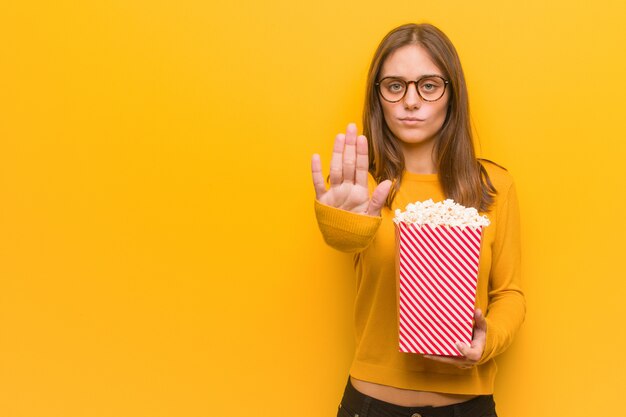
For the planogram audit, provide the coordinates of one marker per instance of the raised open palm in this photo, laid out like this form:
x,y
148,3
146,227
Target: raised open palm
x,y
348,177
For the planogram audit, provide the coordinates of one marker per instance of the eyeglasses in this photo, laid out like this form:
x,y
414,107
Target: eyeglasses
x,y
429,88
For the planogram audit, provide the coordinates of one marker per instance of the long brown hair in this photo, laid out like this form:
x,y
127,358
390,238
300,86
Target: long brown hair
x,y
462,177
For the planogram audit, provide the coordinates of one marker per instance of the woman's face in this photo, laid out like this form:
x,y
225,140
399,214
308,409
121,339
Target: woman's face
x,y
413,120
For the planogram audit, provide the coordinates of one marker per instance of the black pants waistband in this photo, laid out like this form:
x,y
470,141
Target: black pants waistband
x,y
358,404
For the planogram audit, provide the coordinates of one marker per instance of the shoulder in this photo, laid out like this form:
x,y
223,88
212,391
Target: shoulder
x,y
498,175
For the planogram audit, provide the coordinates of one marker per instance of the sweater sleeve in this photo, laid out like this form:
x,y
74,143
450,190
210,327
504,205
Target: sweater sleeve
x,y
344,230
507,306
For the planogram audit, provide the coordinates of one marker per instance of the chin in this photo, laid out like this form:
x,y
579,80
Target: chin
x,y
413,139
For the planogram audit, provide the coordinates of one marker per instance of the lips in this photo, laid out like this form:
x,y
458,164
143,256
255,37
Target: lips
x,y
411,122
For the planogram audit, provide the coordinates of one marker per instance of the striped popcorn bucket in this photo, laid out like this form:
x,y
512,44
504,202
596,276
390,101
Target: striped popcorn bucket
x,y
438,271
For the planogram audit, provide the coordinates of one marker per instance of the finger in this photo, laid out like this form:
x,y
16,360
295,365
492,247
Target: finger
x,y
336,163
349,154
470,353
362,161
379,196
479,320
318,178
479,339
464,349
437,358
450,361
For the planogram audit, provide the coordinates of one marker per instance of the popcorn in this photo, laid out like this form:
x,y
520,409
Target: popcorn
x,y
438,257
444,213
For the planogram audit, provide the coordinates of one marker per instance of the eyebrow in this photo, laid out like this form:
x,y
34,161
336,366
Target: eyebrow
x,y
423,76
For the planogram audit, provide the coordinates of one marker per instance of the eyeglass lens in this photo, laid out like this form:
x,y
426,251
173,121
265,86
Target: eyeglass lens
x,y
429,88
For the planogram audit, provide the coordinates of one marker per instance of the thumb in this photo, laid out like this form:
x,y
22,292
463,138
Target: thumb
x,y
379,196
480,323
480,330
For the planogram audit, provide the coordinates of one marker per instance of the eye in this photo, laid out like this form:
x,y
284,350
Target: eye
x,y
393,85
431,85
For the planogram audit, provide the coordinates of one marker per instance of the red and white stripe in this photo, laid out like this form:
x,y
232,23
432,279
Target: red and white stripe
x,y
438,275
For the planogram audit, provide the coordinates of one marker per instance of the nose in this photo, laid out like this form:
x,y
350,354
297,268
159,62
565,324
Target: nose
x,y
412,99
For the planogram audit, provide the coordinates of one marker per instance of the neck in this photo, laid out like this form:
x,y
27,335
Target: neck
x,y
419,157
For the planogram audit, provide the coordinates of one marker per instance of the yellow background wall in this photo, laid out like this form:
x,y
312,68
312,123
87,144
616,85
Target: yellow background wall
x,y
158,249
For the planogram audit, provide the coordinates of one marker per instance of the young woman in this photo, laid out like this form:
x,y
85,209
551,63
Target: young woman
x,y
417,144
